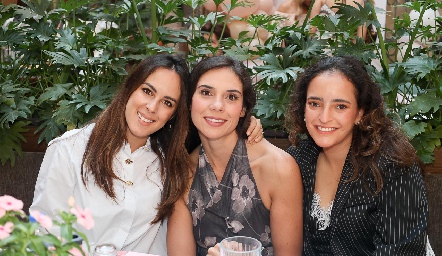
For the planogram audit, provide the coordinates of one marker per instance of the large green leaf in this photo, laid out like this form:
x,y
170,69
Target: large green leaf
x,y
413,128
422,65
50,129
424,103
11,37
67,39
72,57
426,143
10,142
38,7
21,108
100,97
239,53
279,68
70,5
13,103
55,92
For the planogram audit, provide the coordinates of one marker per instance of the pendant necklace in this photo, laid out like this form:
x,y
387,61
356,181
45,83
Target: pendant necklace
x,y
127,182
128,161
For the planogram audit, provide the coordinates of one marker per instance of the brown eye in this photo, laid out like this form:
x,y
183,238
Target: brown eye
x,y
205,92
313,104
147,91
341,106
232,97
168,103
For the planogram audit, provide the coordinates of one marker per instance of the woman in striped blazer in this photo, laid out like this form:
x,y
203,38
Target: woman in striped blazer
x,y
364,193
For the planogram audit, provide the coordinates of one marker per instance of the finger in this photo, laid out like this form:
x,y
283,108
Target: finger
x,y
252,125
260,137
213,251
257,132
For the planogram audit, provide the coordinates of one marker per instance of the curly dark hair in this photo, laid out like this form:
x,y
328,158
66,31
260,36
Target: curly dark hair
x,y
376,135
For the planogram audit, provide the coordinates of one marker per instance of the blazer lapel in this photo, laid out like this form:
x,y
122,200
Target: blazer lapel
x,y
343,191
309,177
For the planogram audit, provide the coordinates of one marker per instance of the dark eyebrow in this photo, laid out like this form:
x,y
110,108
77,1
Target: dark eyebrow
x,y
170,98
151,87
210,87
334,100
155,90
342,101
315,98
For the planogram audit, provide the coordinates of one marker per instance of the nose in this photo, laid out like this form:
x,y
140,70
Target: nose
x,y
152,106
217,104
325,116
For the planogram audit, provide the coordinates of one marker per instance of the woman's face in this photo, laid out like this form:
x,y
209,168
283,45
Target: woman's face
x,y
217,104
151,105
331,111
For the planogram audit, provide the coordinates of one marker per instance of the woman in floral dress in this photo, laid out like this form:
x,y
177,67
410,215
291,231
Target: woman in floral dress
x,y
237,189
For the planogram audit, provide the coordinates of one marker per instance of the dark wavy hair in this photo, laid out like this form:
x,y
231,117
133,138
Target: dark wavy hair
x,y
249,96
375,136
168,143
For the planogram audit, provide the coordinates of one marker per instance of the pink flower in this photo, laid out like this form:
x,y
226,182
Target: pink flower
x,y
9,203
6,230
2,212
75,252
84,217
44,220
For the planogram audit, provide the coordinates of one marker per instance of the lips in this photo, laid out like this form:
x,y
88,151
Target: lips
x,y
326,129
215,120
144,119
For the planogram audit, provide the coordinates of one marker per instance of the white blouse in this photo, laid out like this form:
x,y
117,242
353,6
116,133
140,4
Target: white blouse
x,y
126,222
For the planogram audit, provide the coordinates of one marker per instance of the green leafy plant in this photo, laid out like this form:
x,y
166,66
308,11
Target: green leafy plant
x,y
22,235
54,75
62,64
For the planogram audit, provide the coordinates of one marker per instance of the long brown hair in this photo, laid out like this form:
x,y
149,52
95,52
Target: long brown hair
x,y
374,137
109,135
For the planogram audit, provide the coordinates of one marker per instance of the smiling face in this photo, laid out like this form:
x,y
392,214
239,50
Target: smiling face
x,y
331,111
151,105
217,104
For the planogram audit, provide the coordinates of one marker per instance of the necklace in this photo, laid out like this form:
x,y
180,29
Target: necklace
x,y
127,182
129,161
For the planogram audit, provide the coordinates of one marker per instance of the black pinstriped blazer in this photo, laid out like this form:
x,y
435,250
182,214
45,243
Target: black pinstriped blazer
x,y
393,222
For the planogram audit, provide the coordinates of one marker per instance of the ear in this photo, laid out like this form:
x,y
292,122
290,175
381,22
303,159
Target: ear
x,y
243,112
359,116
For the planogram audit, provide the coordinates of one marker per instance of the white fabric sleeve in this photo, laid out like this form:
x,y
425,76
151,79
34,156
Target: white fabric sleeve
x,y
56,180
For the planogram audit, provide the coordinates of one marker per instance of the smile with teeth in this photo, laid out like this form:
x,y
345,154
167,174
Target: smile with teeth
x,y
325,129
214,120
144,119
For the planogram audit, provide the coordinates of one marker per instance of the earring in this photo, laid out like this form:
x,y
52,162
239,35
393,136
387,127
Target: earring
x,y
304,119
358,122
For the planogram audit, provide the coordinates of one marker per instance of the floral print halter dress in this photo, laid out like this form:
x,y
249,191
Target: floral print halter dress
x,y
232,207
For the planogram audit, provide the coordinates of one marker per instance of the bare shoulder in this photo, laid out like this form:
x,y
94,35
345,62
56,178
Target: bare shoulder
x,y
272,160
